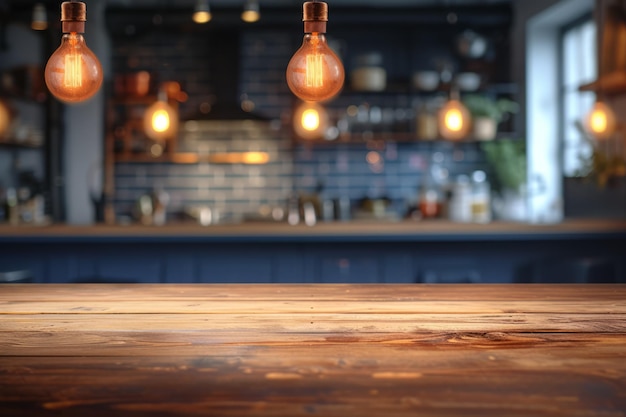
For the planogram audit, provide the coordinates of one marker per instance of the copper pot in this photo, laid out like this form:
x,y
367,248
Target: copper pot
x,y
135,84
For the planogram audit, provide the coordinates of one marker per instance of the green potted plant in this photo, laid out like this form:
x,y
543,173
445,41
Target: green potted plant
x,y
507,160
487,113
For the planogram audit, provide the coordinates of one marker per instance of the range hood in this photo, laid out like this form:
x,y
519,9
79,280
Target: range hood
x,y
612,56
225,70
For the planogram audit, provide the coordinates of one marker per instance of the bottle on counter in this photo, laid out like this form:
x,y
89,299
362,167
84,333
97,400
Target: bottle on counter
x,y
429,201
460,206
12,206
481,198
426,122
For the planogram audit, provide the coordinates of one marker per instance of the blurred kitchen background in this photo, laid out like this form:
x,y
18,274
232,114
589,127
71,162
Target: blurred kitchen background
x,y
241,154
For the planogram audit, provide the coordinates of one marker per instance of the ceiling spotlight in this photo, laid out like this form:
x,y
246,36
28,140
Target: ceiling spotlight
x,y
251,12
202,12
40,17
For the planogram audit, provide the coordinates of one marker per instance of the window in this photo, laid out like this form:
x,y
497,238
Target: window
x,y
578,66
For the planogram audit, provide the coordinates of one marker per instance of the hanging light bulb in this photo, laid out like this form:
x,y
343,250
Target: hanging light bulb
x,y
310,121
73,72
160,120
40,17
251,11
600,122
454,119
202,13
314,72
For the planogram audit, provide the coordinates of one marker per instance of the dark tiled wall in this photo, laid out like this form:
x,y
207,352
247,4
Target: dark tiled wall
x,y
394,170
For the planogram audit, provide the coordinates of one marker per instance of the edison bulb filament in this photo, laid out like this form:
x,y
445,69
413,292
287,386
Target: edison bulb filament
x,y
315,73
73,73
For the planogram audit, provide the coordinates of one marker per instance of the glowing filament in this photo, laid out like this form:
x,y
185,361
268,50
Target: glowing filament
x,y
310,120
160,121
73,76
314,70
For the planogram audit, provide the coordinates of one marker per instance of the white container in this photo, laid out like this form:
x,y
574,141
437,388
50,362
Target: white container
x,y
460,207
369,74
369,79
484,128
481,198
467,81
426,80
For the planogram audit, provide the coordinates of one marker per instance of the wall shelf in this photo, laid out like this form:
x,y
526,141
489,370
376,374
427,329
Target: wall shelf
x,y
14,144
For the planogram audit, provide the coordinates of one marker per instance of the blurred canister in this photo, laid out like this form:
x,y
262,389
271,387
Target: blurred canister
x,y
343,209
368,74
460,207
481,198
426,128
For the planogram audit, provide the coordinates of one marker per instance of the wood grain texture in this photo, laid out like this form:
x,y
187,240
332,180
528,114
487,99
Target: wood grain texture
x,y
328,350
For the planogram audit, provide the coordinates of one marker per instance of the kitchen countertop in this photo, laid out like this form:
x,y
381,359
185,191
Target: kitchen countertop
x,y
348,231
296,350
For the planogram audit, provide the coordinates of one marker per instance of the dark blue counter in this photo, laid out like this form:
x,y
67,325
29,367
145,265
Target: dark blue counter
x,y
404,252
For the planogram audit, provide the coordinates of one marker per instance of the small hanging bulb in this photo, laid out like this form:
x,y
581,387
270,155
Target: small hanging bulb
x,y
310,121
202,13
251,11
40,17
600,121
315,73
73,73
160,120
454,119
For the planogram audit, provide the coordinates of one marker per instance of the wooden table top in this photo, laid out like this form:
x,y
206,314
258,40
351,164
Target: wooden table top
x,y
305,350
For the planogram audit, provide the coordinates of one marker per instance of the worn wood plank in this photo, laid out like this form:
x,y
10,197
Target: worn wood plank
x,y
317,292
326,380
87,306
331,350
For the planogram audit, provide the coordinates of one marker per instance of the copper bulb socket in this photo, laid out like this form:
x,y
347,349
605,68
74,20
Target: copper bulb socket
x,y
315,16
73,16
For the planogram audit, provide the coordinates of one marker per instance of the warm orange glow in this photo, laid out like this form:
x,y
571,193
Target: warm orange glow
x,y
255,158
160,121
601,121
248,158
201,17
454,120
598,121
314,72
73,77
310,120
250,16
73,72
5,118
251,11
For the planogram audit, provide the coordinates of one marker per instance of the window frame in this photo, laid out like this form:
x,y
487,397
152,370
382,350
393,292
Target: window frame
x,y
562,90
